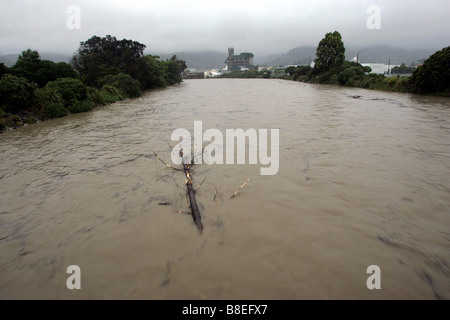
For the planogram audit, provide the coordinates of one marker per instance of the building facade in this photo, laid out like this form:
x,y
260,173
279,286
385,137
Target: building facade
x,y
380,68
243,60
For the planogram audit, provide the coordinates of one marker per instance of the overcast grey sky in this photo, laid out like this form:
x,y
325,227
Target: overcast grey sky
x,y
262,27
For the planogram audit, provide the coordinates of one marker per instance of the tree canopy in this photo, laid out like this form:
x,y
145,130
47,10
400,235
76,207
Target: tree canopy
x,y
16,93
434,75
330,52
98,57
30,66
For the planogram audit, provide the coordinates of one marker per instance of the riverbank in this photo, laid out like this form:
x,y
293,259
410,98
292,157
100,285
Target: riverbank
x,y
352,79
102,71
432,78
10,121
62,97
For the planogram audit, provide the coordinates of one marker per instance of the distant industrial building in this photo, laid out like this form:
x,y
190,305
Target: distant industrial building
x,y
380,68
237,62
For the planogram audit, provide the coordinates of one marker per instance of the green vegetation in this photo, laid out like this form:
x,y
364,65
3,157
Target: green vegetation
x,y
70,90
330,54
128,86
81,106
432,78
16,93
109,94
102,71
30,66
403,69
54,110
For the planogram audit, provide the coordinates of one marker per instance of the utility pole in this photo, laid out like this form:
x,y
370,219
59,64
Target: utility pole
x,y
389,67
357,55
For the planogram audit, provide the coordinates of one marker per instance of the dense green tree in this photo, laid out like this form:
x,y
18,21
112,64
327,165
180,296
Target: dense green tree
x,y
330,52
3,69
351,76
64,70
302,72
98,57
16,93
29,65
402,69
181,67
150,72
173,74
290,70
433,77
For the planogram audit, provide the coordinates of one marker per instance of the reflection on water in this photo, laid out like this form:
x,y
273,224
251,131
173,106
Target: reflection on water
x,y
362,181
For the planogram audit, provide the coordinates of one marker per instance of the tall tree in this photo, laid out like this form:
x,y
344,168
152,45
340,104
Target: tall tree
x,y
3,69
175,68
27,64
98,57
30,66
330,52
150,72
434,75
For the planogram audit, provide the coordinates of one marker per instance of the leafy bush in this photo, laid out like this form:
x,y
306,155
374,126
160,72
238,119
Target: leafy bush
x,y
302,71
69,89
110,94
350,76
125,83
54,110
48,95
81,106
2,113
373,81
403,85
16,94
94,95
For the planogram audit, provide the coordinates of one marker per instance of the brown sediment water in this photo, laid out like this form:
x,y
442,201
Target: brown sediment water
x,y
361,181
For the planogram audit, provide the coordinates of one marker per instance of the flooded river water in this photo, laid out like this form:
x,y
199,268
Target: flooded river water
x,y
362,181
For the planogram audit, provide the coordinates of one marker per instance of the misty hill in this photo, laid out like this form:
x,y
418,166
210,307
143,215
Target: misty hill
x,y
299,55
382,54
200,59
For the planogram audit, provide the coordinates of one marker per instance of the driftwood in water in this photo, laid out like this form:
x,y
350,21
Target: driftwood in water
x,y
240,188
190,190
195,212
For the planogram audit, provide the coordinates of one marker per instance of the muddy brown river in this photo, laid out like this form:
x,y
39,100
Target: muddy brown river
x,y
362,181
